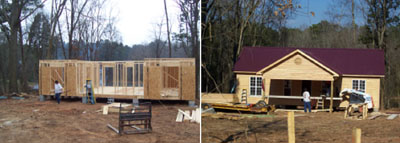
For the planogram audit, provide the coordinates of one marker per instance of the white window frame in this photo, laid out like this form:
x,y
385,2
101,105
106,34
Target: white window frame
x,y
358,84
255,85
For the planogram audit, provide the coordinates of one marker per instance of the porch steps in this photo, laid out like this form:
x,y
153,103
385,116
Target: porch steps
x,y
320,104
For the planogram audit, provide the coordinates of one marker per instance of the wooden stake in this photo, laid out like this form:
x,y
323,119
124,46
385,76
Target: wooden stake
x,y
291,131
356,135
331,105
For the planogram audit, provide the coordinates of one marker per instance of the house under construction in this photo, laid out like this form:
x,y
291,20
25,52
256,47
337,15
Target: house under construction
x,y
158,79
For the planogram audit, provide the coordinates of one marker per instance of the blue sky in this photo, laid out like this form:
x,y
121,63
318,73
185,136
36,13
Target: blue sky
x,y
303,17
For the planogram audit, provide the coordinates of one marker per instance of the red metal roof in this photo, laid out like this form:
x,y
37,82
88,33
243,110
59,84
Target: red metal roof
x,y
342,61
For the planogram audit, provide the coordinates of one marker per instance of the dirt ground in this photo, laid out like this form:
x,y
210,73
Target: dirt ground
x,y
320,127
30,120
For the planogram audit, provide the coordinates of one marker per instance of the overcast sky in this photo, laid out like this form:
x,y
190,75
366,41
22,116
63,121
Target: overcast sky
x,y
136,19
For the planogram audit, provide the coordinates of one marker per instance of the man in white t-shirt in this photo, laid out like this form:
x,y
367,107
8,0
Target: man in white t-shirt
x,y
306,100
58,90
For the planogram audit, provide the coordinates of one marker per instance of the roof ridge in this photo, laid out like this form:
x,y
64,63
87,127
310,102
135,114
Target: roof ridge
x,y
276,47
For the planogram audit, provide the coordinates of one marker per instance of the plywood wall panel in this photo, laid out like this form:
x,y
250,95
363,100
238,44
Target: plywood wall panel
x,y
46,80
70,80
188,83
154,82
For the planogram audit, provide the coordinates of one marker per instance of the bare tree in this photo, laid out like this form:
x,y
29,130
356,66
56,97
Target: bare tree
x,y
168,32
75,13
57,7
157,44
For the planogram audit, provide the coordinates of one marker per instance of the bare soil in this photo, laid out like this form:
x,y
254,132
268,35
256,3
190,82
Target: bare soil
x,y
30,120
320,127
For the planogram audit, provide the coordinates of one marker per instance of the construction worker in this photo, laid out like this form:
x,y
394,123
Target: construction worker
x,y
58,90
89,90
306,100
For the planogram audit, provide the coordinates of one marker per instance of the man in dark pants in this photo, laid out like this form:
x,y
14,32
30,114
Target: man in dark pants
x,y
89,90
58,90
306,100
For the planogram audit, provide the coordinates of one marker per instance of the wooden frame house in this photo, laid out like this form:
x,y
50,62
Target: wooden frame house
x,y
158,79
285,72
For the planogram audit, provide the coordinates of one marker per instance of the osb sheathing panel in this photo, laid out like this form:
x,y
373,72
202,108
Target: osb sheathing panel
x,y
46,80
70,80
188,83
153,82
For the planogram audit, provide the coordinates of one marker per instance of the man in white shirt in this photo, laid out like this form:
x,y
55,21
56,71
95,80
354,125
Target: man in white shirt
x,y
306,100
58,90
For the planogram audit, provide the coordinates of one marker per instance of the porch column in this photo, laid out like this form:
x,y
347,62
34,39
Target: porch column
x,y
331,105
267,83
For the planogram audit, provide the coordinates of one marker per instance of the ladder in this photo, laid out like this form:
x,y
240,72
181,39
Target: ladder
x,y
89,98
244,96
320,103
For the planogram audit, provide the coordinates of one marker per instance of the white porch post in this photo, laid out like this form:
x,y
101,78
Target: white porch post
x,y
331,105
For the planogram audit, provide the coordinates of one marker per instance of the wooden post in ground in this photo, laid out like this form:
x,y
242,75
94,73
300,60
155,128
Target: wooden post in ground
x,y
356,135
331,104
291,131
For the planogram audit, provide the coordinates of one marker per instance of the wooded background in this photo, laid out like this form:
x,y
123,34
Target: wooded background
x,y
228,25
84,30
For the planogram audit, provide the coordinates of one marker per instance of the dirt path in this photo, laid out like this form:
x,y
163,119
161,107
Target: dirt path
x,y
311,128
29,120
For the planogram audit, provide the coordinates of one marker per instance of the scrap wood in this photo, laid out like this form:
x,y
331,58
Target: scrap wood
x,y
113,108
187,117
196,114
196,117
193,116
186,114
105,110
137,128
179,117
392,116
374,117
114,129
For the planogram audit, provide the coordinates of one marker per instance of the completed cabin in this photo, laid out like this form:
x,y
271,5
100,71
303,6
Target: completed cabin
x,y
285,72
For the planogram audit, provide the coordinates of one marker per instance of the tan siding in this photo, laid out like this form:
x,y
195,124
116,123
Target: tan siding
x,y
244,82
372,86
295,70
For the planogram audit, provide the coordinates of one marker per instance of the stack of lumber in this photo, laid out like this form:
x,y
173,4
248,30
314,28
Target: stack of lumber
x,y
113,108
194,116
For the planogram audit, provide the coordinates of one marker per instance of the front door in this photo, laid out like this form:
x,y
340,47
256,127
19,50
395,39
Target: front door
x,y
306,84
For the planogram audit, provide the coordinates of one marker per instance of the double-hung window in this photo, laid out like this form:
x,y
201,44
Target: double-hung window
x,y
359,85
255,86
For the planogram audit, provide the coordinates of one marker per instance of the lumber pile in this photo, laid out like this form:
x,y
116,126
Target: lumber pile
x,y
194,116
113,108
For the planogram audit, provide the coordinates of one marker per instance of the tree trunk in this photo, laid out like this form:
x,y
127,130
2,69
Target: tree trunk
x,y
168,32
353,21
23,79
13,46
